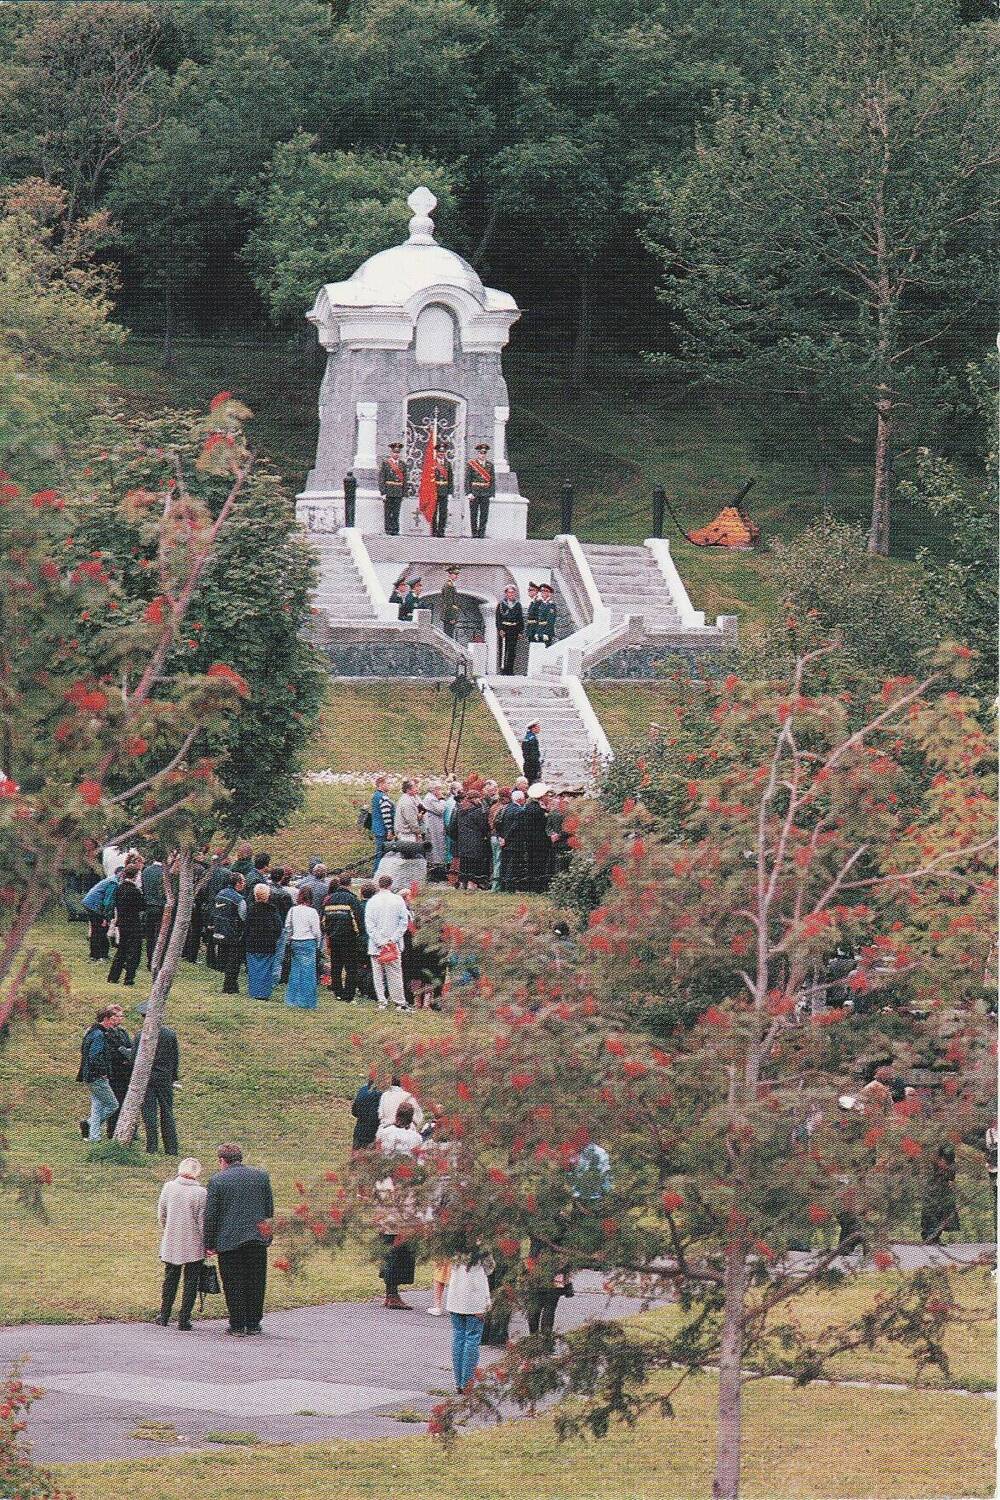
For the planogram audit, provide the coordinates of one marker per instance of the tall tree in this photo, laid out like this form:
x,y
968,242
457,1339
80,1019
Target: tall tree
x,y
830,236
75,94
318,216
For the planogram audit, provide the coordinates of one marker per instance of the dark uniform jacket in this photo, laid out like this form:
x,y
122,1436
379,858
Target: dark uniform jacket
x,y
443,478
449,604
546,621
408,605
480,478
532,757
531,621
392,477
342,917
152,885
239,1200
510,618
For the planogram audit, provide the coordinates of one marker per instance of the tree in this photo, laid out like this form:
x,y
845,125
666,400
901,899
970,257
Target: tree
x,y
727,1151
74,96
830,234
248,609
55,328
319,216
84,756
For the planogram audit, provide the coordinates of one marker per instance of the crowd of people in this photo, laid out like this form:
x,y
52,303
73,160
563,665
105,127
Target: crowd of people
x,y
475,833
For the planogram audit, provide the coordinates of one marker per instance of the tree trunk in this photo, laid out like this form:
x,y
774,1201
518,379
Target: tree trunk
x,y
729,1431
878,539
128,1118
162,937
489,232
581,342
169,358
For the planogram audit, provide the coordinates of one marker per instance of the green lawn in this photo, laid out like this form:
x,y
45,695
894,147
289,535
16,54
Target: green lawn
x,y
799,1445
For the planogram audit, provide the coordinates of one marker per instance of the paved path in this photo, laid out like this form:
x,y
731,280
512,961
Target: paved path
x,y
341,1370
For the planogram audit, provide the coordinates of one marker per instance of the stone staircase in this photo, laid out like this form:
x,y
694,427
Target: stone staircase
x,y
340,594
566,746
630,583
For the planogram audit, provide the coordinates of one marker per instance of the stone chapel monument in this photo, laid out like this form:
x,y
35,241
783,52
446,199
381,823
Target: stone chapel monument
x,y
413,337
413,346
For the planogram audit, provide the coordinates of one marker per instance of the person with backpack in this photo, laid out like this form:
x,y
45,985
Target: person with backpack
x,y
227,928
94,1070
99,904
341,920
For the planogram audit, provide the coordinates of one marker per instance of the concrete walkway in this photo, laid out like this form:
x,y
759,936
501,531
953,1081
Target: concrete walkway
x,y
341,1370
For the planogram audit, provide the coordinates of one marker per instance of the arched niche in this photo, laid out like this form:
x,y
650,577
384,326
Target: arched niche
x,y
435,336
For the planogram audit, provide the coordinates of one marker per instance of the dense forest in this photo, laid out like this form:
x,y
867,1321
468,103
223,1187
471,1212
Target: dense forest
x,y
789,203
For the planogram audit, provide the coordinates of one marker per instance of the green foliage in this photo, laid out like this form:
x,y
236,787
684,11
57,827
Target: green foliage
x,y
319,216
55,331
247,612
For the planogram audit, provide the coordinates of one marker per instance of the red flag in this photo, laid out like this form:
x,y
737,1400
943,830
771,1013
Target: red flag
x,y
427,495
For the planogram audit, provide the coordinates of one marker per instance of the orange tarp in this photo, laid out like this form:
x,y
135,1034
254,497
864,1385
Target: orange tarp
x,y
729,529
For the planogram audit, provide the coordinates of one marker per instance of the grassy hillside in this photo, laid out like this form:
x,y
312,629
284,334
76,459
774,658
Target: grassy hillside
x,y
625,433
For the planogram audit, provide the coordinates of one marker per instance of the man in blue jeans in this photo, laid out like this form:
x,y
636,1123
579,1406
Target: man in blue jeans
x,y
383,818
94,1072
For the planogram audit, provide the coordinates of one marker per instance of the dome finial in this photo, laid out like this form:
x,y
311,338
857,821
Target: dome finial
x,y
423,203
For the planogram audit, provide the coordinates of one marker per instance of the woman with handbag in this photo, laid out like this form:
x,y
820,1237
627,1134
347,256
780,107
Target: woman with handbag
x,y
181,1213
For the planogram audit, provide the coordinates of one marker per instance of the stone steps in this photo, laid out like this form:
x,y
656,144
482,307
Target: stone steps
x,y
340,593
630,583
567,752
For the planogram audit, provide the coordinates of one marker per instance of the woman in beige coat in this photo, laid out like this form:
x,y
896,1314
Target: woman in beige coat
x,y
181,1212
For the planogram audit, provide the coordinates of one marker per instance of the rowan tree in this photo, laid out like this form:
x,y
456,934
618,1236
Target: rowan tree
x,y
700,1030
88,752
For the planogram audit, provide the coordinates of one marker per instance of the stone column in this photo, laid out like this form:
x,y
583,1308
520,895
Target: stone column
x,y
366,455
501,415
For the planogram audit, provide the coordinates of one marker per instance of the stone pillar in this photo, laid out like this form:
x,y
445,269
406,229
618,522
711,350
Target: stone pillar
x,y
366,455
501,416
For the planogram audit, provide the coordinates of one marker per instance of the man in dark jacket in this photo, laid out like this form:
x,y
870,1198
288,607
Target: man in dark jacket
x,y
504,828
342,921
532,846
155,896
229,917
365,1112
218,878
118,1049
129,908
531,754
158,1103
238,1211
93,1071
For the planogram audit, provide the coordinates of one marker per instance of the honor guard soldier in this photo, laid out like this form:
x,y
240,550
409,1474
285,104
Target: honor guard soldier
x,y
531,628
443,484
398,590
409,604
480,481
392,478
510,627
449,603
547,615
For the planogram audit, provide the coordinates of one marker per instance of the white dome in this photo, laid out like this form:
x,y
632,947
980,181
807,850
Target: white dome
x,y
392,277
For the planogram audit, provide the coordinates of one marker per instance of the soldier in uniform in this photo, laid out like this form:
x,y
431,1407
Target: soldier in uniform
x,y
547,615
449,603
531,618
510,626
443,484
398,590
409,604
392,478
480,481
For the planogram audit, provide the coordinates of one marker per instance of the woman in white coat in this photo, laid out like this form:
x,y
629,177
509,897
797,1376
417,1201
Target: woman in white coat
x,y
468,1302
434,807
181,1212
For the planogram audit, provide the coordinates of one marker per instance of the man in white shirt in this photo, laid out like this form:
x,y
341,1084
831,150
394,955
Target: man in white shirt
x,y
386,919
390,1101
